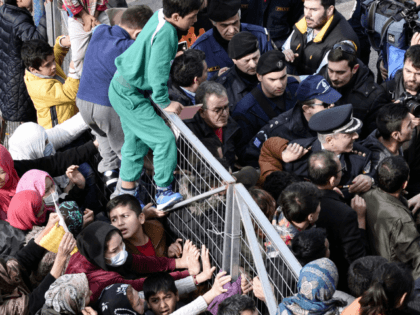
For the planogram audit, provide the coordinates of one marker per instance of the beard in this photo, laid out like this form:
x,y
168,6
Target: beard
x,y
412,86
321,22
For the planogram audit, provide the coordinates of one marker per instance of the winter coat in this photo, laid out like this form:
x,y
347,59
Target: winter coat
x,y
366,96
270,159
155,231
391,229
16,26
54,101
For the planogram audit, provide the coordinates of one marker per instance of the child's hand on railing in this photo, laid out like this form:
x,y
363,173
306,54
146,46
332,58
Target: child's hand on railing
x,y
208,270
217,288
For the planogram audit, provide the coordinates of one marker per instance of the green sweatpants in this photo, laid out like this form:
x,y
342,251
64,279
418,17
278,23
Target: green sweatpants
x,y
143,129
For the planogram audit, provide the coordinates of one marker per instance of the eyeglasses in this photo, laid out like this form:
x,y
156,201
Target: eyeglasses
x,y
341,169
220,110
346,47
322,104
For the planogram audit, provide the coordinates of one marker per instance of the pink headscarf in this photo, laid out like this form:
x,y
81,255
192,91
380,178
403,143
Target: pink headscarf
x,y
23,209
35,180
9,188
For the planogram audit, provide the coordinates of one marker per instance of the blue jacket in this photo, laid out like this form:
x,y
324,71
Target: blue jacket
x,y
107,43
278,16
251,117
217,57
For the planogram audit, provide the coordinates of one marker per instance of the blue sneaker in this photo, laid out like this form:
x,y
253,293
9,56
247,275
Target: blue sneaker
x,y
166,197
137,194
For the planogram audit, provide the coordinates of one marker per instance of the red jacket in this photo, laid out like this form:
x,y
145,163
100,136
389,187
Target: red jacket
x,y
99,279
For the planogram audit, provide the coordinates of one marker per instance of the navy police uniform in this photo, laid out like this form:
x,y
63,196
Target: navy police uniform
x,y
251,117
278,16
217,57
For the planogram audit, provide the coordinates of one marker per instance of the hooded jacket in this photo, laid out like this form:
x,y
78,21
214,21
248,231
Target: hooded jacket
x,y
91,260
366,96
335,30
16,27
54,101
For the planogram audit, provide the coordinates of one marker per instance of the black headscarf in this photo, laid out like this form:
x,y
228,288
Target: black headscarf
x,y
91,244
114,297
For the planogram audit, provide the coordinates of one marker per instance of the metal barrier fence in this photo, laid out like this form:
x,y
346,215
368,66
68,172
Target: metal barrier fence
x,y
221,215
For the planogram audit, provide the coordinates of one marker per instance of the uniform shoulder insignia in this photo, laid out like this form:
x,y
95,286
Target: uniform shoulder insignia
x,y
360,153
366,170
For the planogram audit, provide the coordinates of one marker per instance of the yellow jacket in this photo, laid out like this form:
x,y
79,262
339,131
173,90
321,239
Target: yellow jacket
x,y
54,102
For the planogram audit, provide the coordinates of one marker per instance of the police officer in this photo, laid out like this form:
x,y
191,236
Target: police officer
x,y
315,35
337,130
314,94
275,94
278,16
241,78
225,16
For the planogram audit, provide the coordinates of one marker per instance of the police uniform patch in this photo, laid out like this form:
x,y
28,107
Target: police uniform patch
x,y
215,68
282,9
366,170
257,142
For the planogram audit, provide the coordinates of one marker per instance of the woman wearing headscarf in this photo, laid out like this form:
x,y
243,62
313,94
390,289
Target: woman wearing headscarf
x,y
26,210
69,294
16,295
316,286
104,260
8,181
30,141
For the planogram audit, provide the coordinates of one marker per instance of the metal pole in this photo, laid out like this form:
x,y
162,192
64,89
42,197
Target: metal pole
x,y
227,240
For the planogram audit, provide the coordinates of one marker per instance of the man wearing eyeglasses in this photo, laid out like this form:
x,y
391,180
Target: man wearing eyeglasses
x,y
356,83
212,124
337,131
314,94
315,34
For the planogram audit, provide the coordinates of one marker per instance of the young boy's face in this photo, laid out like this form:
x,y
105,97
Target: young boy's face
x,y
126,220
47,68
25,4
163,303
184,23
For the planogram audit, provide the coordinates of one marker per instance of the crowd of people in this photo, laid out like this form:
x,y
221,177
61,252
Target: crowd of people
x,y
281,95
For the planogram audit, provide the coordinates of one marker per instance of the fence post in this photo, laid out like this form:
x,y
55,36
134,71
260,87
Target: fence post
x,y
53,16
256,253
227,240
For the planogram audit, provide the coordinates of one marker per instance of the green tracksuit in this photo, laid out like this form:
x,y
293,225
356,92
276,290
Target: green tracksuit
x,y
145,66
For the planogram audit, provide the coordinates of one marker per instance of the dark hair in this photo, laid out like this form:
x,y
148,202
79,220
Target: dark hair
x,y
10,2
35,52
337,54
390,282
393,171
158,282
122,201
390,118
361,272
188,66
264,200
182,7
110,235
327,3
309,245
136,16
321,167
299,200
206,89
235,305
413,53
277,181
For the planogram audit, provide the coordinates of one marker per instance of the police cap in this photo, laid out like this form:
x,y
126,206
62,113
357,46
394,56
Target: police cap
x,y
222,10
242,44
271,61
316,87
335,120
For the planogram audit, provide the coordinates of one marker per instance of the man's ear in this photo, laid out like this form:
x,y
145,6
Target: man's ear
x,y
395,135
175,17
311,218
235,61
330,11
405,184
332,180
259,76
402,300
305,108
136,33
201,111
142,218
328,139
33,70
355,68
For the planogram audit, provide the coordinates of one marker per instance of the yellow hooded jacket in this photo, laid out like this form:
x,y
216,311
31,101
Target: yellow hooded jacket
x,y
54,102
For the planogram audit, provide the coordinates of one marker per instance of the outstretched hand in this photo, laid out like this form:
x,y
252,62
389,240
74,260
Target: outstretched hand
x,y
217,288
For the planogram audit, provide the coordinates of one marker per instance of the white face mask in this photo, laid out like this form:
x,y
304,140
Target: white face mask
x,y
119,259
49,149
49,201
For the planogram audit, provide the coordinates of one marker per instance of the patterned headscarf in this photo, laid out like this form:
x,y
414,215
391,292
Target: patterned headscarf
x,y
67,294
73,216
23,210
35,180
286,229
9,188
114,299
317,284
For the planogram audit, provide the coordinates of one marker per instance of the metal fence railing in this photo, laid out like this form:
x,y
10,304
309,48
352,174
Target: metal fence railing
x,y
223,216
